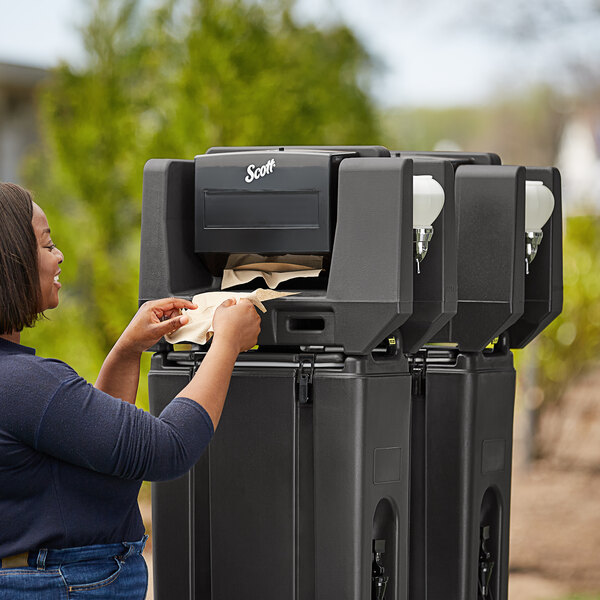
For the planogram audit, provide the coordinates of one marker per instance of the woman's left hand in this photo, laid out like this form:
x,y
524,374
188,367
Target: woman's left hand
x,y
152,321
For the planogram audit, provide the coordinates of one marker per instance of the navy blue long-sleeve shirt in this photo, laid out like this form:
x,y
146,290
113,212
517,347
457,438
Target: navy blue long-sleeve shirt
x,y
72,458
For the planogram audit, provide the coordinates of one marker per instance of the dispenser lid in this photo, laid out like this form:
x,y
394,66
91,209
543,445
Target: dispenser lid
x,y
266,202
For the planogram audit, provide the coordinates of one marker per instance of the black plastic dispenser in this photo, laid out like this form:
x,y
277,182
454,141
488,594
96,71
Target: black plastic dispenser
x,y
463,396
364,452
309,467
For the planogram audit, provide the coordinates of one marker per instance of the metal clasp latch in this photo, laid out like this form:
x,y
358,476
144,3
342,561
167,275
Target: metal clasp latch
x,y
304,377
197,358
418,371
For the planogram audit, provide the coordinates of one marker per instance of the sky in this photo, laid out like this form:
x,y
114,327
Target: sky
x,y
427,52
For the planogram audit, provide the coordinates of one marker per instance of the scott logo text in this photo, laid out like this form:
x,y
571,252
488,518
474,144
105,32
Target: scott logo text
x,y
255,172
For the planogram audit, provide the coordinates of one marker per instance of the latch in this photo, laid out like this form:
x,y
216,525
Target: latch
x,y
392,345
197,358
418,371
304,377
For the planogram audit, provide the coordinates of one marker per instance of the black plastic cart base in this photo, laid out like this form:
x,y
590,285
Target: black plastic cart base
x,y
309,465
461,473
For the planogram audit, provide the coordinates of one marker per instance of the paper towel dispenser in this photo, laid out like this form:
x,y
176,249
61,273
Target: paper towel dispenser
x,y
351,205
266,202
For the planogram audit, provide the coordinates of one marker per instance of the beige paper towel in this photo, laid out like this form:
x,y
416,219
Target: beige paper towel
x,y
199,328
242,268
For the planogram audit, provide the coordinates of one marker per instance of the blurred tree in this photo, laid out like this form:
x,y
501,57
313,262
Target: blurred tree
x,y
527,129
532,20
171,81
551,41
423,128
523,130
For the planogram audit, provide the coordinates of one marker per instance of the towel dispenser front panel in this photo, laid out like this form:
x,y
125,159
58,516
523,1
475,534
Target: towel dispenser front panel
x,y
266,201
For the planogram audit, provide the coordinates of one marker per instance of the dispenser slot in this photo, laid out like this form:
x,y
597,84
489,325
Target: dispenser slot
x,y
308,323
299,326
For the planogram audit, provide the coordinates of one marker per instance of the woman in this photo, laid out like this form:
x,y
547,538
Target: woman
x,y
73,455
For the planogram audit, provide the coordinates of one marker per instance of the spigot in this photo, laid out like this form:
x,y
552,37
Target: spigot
x,y
422,237
428,201
486,564
532,242
379,579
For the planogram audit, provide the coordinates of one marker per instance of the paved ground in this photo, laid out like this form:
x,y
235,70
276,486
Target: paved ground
x,y
555,527
555,533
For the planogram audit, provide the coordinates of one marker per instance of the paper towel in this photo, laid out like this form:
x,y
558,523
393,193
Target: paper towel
x,y
199,328
242,268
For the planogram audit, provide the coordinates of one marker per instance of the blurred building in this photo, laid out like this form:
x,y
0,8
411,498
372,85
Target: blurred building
x,y
579,163
18,124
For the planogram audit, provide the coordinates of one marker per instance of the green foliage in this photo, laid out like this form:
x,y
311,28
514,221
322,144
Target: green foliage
x,y
171,82
572,342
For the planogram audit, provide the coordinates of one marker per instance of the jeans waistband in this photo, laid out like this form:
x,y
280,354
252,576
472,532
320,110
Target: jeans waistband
x,y
48,557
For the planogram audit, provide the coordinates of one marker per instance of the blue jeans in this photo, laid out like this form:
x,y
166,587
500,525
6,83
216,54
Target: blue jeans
x,y
90,572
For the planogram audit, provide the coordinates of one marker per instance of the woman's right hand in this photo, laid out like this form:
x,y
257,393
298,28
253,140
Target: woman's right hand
x,y
237,323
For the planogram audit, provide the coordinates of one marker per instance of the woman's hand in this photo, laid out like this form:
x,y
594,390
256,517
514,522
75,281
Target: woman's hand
x,y
152,321
120,372
236,327
237,324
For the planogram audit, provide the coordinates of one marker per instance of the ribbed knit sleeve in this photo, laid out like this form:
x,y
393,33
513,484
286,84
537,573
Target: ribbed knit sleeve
x,y
86,427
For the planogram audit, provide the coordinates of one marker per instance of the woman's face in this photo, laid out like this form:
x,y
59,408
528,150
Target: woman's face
x,y
49,259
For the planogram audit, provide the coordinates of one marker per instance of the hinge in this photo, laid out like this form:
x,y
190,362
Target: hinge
x,y
304,377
